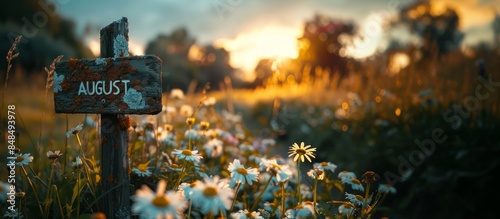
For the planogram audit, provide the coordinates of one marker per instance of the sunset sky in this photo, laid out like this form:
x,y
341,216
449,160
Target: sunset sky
x,y
255,29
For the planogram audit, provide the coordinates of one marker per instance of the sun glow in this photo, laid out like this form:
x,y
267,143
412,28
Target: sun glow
x,y
249,47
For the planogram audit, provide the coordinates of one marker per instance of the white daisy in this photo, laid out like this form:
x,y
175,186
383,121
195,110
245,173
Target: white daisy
x,y
74,130
163,204
189,155
211,195
325,166
301,152
54,154
241,174
23,159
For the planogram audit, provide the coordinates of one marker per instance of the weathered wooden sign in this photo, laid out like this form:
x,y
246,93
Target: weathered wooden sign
x,y
111,86
126,85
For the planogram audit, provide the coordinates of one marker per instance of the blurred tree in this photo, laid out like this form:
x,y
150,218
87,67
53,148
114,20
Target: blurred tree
x,y
495,25
45,34
215,65
436,25
320,46
173,50
185,62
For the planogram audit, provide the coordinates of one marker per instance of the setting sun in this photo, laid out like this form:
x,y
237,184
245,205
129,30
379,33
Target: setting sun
x,y
249,47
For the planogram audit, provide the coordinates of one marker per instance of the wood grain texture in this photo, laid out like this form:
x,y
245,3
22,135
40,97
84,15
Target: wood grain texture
x,y
141,75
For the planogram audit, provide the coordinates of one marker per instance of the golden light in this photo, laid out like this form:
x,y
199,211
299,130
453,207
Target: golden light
x,y
397,112
398,62
267,42
345,106
133,47
366,41
345,128
378,99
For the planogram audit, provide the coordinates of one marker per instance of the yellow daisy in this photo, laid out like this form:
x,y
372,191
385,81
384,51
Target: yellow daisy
x,y
301,152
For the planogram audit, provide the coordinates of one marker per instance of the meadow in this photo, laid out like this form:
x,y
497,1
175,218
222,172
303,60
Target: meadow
x,y
419,142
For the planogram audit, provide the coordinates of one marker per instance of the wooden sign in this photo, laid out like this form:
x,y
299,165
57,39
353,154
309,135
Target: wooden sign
x,y
126,85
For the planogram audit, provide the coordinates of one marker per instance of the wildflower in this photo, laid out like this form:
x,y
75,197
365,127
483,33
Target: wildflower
x,y
209,101
355,199
177,94
244,214
204,125
4,188
192,134
240,174
282,172
188,155
213,147
305,191
186,110
54,155
211,195
142,170
346,208
160,205
187,189
190,120
23,159
78,162
325,166
370,177
346,175
386,188
12,214
301,152
74,130
303,210
272,207
316,174
355,183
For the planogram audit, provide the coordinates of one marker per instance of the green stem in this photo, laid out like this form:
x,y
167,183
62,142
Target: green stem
x,y
282,199
78,196
366,195
314,193
260,195
235,194
181,175
49,189
58,200
298,182
33,188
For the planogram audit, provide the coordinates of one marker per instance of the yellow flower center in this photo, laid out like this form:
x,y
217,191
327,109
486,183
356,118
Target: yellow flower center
x,y
324,164
19,159
300,151
160,201
355,181
210,191
359,197
242,171
348,205
142,168
276,166
187,152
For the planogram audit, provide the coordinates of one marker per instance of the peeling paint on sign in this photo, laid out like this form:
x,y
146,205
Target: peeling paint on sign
x,y
58,79
133,99
120,45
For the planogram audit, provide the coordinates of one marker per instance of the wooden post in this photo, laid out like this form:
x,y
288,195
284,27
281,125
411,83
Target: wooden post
x,y
114,136
113,85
